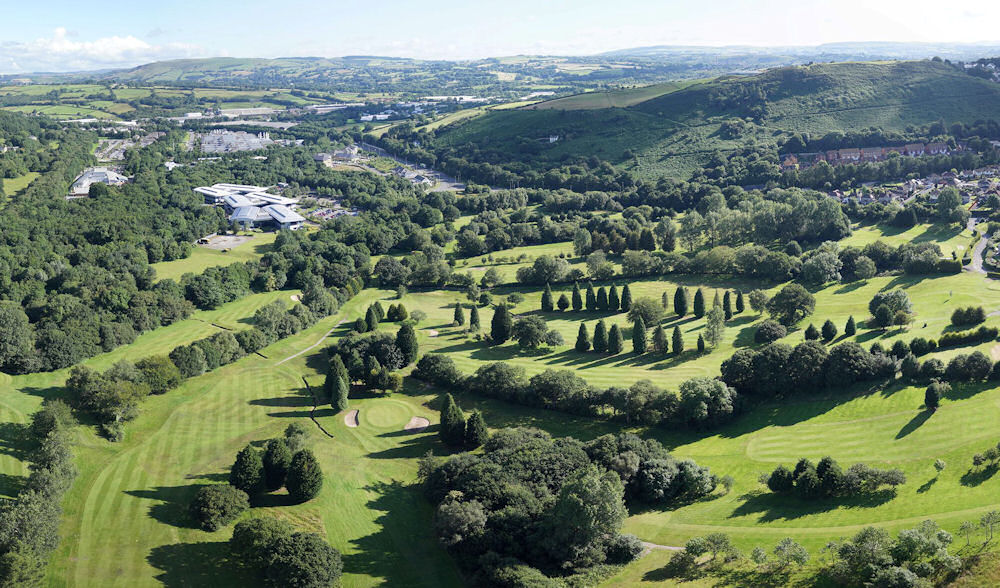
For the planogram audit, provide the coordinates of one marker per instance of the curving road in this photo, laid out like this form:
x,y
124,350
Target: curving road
x,y
976,264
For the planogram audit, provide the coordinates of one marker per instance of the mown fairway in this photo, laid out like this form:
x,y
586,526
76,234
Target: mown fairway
x,y
202,258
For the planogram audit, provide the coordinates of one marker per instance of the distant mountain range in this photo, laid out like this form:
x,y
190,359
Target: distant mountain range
x,y
505,76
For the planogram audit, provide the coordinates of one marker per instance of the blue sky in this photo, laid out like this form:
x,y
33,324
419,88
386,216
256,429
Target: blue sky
x,y
64,35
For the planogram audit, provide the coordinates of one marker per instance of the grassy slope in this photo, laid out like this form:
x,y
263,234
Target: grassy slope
x,y
610,99
673,132
202,258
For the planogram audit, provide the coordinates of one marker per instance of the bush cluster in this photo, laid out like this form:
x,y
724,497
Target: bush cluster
x,y
826,479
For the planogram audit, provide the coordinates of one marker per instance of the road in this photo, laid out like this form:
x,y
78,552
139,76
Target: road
x,y
976,264
444,181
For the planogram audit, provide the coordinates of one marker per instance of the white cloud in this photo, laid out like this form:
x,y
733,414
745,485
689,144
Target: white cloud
x,y
61,52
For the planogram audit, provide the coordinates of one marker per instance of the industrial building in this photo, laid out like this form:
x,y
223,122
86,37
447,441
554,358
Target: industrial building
x,y
96,175
253,206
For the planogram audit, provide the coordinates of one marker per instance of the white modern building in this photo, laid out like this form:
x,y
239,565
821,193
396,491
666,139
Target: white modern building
x,y
96,175
233,196
276,215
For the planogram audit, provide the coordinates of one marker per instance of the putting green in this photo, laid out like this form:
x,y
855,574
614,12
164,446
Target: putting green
x,y
386,413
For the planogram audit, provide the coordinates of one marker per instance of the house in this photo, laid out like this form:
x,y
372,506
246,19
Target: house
x,y
422,180
322,157
914,149
790,162
346,154
937,148
871,153
850,154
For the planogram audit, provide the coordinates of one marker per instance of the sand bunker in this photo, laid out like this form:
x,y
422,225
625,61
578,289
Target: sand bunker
x,y
432,333
295,298
351,418
417,424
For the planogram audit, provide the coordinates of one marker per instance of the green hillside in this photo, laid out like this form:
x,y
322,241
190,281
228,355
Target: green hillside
x,y
673,133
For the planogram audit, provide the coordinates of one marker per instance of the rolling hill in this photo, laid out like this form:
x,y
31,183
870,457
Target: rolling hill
x,y
673,132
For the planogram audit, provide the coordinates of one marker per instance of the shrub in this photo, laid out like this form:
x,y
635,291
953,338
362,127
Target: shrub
x,y
972,315
980,335
218,505
769,331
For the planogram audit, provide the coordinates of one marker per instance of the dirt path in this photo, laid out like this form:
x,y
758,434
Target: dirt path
x,y
351,418
417,424
314,345
654,546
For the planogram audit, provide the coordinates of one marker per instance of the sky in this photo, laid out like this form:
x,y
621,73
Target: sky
x,y
70,35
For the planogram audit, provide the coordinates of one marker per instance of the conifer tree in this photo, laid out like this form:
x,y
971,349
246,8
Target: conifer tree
x,y
615,343
678,342
406,340
582,338
577,297
602,298
337,366
699,304
501,325
305,478
459,317
740,305
811,332
639,341
727,305
829,330
340,396
660,342
701,344
614,301
850,328
371,319
665,301
476,433
379,311
626,299
548,304
247,473
452,423
591,297
277,458
360,325
600,338
680,301
563,303
474,325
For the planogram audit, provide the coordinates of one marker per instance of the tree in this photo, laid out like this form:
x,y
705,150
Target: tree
x,y
297,436
474,324
247,472
770,331
701,344
727,305
988,521
626,302
639,341
615,340
254,540
582,339
563,303
939,465
304,478
680,301
758,301
502,325
715,326
614,302
967,528
577,298
850,328
787,552
864,268
218,505
406,341
660,342
16,344
371,319
883,316
530,331
740,305
452,423
591,297
829,330
159,373
304,559
548,304
277,458
600,338
459,317
933,394
821,268
791,304
677,345
589,506
476,433
602,298
647,309
699,303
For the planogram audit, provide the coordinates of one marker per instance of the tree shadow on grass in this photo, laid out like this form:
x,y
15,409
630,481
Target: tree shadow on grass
x,y
403,551
170,503
927,485
11,485
410,448
977,476
914,424
751,577
208,563
774,507
15,440
745,337
848,288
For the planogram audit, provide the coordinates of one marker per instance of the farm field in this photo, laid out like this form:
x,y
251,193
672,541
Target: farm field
x,y
202,258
